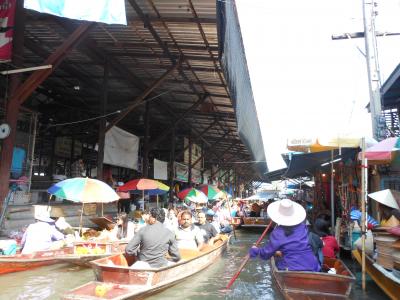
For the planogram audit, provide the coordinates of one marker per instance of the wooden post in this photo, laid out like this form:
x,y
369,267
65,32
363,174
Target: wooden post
x,y
190,159
12,104
171,167
146,141
103,123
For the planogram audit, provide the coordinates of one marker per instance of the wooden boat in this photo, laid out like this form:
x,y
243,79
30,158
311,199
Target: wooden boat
x,y
389,285
236,221
93,251
116,280
22,262
255,222
315,285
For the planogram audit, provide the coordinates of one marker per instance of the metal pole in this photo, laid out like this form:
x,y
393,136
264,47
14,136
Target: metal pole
x,y
371,55
332,196
32,151
364,189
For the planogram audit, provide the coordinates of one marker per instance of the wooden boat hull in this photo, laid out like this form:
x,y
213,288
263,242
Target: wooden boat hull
x,y
84,260
128,283
254,223
23,262
314,285
389,286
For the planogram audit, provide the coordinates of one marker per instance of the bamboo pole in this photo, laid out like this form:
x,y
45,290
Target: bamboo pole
x,y
230,213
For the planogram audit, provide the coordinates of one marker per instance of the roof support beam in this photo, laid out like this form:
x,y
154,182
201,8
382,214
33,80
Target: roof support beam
x,y
55,59
196,138
139,100
175,122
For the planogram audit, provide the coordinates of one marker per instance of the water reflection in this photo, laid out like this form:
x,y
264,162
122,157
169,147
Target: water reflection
x,y
254,282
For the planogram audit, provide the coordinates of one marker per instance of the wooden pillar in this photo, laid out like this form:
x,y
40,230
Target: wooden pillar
x,y
146,141
190,159
171,166
103,123
12,105
72,151
53,152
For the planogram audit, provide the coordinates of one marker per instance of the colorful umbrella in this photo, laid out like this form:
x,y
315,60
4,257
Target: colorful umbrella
x,y
146,186
210,191
193,195
382,152
84,190
223,195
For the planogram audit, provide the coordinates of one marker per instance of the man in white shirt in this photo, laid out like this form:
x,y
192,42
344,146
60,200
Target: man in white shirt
x,y
188,235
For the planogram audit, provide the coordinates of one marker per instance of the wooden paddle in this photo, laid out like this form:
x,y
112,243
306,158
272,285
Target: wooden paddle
x,y
246,259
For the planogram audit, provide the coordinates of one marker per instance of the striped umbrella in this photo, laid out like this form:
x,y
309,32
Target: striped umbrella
x,y
146,186
84,190
210,191
193,195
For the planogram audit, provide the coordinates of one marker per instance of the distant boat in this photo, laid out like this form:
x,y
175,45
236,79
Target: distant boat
x,y
115,280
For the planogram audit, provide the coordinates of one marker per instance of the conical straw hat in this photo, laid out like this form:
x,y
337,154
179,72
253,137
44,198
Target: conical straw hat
x,y
387,197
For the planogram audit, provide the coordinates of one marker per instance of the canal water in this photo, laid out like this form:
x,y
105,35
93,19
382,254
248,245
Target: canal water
x,y
253,283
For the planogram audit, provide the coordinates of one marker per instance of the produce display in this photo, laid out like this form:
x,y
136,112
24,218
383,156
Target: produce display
x,y
89,250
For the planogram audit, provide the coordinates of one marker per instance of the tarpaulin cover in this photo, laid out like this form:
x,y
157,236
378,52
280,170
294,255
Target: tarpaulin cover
x,y
234,65
121,148
305,164
105,11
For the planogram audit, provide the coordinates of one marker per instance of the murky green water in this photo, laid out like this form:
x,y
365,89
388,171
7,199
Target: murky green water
x,y
253,283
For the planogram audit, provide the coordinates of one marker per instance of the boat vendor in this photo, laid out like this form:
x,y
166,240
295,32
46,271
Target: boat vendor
x,y
41,235
124,229
152,242
290,238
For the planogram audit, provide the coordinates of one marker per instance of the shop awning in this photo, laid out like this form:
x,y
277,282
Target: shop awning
x,y
305,164
390,90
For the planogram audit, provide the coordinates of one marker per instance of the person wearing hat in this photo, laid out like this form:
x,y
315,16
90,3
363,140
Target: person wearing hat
x,y
40,236
290,238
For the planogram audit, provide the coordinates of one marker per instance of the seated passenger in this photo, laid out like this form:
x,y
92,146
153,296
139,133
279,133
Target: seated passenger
x,y
208,230
188,235
41,235
171,221
289,238
331,247
213,220
124,229
153,241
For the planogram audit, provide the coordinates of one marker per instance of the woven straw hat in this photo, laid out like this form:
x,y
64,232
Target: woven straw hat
x,y
286,212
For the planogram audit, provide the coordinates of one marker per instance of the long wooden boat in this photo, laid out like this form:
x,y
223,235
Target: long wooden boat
x,y
23,262
254,223
93,251
296,285
115,280
389,285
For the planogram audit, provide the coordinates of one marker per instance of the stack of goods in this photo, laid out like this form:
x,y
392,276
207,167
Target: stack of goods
x,y
385,250
396,259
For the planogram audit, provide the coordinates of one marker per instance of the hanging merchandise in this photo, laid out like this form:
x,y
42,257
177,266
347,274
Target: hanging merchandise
x,y
7,16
